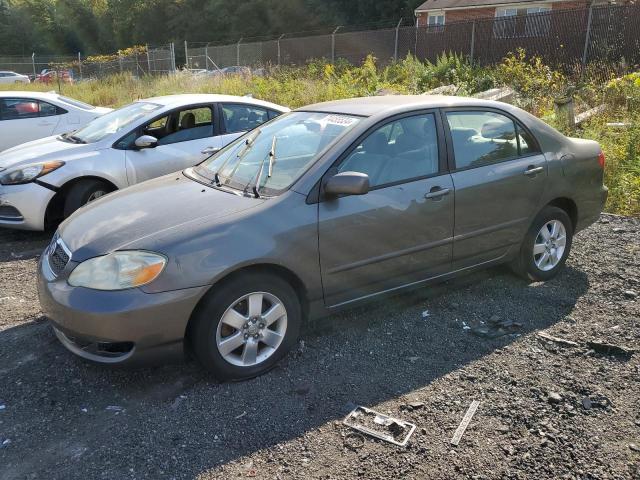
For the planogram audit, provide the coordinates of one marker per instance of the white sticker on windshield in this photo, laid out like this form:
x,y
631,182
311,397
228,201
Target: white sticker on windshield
x,y
338,120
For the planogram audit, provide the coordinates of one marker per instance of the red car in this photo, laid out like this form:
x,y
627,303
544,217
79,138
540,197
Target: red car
x,y
51,76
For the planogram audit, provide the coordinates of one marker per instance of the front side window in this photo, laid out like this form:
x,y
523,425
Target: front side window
x,y
399,151
274,156
113,122
242,118
182,126
483,138
21,108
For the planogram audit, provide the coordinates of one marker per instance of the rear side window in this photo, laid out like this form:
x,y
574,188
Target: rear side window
x,y
398,151
21,108
484,138
242,118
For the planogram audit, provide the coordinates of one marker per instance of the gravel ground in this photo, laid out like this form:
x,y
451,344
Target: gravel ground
x,y
548,408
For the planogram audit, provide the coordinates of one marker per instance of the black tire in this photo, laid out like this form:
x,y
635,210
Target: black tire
x,y
204,327
525,264
81,193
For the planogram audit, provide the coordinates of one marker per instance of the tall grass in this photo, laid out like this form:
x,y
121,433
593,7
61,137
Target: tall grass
x,y
535,83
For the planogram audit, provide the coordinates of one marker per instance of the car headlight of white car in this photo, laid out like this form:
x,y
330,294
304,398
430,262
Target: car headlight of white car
x,y
28,173
118,270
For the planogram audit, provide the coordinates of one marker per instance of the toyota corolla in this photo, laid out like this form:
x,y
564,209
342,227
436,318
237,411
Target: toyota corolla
x,y
317,210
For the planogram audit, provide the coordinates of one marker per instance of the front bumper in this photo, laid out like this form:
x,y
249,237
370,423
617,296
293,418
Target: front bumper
x,y
24,206
119,327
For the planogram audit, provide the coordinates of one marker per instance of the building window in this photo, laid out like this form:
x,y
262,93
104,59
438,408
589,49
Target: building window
x,y
505,23
435,21
538,22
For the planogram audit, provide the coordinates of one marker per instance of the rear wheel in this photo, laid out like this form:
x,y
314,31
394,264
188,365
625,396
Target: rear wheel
x,y
546,245
83,192
245,326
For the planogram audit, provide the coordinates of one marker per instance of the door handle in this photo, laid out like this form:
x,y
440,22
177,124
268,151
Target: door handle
x,y
210,150
531,170
437,192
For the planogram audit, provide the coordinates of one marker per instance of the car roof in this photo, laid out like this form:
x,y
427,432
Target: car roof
x,y
185,99
370,106
29,94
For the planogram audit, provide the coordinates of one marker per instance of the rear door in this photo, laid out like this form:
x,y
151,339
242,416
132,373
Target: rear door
x,y
185,136
26,119
499,174
401,231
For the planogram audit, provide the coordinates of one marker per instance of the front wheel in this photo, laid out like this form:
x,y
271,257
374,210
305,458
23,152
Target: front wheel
x,y
546,245
83,192
245,326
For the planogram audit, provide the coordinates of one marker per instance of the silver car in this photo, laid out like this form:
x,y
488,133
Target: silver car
x,y
320,209
45,181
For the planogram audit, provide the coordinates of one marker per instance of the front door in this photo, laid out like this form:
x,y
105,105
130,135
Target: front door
x,y
401,231
185,138
499,175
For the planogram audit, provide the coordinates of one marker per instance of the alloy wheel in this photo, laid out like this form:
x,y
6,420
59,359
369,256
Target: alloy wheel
x,y
549,245
251,329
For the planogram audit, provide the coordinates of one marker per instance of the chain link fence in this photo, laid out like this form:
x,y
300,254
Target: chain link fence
x,y
150,60
607,36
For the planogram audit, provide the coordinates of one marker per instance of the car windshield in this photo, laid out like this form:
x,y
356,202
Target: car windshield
x,y
113,122
269,159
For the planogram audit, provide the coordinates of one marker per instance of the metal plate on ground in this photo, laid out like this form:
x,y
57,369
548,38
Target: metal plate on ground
x,y
380,426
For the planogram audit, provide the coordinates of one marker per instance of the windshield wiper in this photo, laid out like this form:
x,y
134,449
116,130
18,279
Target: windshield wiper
x,y
248,143
272,159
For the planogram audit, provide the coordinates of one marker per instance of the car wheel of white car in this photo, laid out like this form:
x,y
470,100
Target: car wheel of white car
x,y
546,245
83,192
244,326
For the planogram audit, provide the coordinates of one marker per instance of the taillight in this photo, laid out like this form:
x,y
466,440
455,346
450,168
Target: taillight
x,y
601,159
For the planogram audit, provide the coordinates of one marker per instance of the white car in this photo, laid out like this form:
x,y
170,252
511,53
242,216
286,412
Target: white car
x,y
13,77
44,181
26,116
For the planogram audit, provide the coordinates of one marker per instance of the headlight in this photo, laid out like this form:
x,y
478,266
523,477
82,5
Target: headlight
x,y
118,270
28,173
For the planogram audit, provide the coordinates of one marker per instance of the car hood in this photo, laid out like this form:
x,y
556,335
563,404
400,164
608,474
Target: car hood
x,y
139,216
48,148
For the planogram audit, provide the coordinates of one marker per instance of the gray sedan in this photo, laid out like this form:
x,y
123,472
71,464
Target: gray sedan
x,y
317,210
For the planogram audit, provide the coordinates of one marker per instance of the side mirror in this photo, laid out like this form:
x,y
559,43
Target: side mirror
x,y
347,183
146,141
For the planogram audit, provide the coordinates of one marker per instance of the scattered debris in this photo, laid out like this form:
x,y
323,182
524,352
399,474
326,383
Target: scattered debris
x,y
413,359
560,341
354,440
2,407
443,90
425,314
581,117
630,294
465,326
610,349
413,406
554,397
634,447
504,94
241,415
595,401
379,425
115,408
465,422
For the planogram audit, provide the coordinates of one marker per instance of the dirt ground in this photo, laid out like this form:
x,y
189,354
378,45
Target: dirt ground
x,y
565,407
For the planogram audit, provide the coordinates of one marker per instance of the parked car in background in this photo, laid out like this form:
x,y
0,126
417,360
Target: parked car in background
x,y
324,207
49,76
27,116
44,181
236,70
13,77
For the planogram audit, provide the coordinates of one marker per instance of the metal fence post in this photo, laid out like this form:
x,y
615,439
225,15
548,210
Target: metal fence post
x,y
80,64
186,54
238,51
333,44
120,61
587,38
280,38
473,40
206,57
173,57
395,50
33,63
146,47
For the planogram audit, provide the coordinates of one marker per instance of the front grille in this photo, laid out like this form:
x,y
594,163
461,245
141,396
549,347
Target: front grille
x,y
58,257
